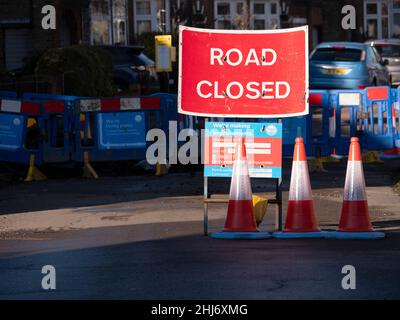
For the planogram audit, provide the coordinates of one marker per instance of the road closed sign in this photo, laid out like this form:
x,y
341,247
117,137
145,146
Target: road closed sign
x,y
236,73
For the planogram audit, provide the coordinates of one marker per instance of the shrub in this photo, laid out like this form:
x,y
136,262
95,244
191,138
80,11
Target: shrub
x,y
87,70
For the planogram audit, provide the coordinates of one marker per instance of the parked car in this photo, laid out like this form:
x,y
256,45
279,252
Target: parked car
x,y
346,65
389,49
133,70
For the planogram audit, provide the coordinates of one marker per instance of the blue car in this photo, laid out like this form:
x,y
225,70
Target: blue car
x,y
346,65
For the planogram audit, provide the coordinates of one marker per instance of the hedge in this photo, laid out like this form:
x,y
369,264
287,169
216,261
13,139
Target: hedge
x,y
87,70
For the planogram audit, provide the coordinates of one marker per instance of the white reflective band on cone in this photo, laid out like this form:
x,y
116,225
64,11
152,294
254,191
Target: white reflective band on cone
x,y
300,188
240,184
354,187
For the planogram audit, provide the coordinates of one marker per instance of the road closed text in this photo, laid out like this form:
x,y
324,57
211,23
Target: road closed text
x,y
228,73
234,57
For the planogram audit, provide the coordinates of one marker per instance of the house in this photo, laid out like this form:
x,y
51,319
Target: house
x,y
119,22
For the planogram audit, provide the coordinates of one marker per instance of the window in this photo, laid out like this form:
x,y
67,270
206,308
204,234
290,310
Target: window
x,y
259,8
396,25
333,54
149,15
372,28
274,8
395,19
241,14
120,18
388,50
372,8
108,22
143,8
259,24
231,14
223,9
381,19
100,22
265,14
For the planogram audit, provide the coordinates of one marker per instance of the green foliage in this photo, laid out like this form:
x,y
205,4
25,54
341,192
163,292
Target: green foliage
x,y
87,70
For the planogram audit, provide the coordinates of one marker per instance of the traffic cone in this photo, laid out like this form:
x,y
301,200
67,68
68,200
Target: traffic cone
x,y
301,221
355,222
240,221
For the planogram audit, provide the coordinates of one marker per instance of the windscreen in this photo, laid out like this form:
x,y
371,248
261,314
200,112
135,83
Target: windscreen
x,y
388,50
337,54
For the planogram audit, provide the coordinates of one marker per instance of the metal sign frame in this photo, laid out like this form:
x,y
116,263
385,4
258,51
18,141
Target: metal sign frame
x,y
208,200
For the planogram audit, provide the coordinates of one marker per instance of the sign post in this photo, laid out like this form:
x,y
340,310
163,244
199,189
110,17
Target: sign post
x,y
243,74
163,55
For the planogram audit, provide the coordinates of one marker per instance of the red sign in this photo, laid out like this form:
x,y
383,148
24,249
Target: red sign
x,y
377,93
235,73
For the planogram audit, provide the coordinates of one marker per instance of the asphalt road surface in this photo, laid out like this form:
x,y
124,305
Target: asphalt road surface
x,y
141,238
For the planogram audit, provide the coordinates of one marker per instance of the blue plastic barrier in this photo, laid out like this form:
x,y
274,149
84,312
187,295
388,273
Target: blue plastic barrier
x,y
115,128
20,131
58,128
320,113
347,105
378,125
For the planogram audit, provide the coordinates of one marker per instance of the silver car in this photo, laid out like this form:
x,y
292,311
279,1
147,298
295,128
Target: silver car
x,y
389,49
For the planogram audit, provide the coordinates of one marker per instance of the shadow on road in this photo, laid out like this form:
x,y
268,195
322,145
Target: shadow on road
x,y
197,267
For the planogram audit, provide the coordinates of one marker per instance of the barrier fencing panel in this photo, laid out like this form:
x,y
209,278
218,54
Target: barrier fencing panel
x,y
114,129
320,113
396,113
378,122
20,131
58,129
346,106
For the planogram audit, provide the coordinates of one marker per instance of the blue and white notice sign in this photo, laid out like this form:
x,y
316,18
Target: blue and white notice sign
x,y
11,130
263,143
121,130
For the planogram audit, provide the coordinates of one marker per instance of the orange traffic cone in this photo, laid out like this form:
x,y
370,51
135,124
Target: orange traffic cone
x,y
240,221
301,221
355,222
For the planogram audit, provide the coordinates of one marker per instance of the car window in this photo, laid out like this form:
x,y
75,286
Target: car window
x,y
388,50
377,56
371,58
337,54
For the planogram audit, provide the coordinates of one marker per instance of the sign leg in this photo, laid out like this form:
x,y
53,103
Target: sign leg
x,y
278,216
205,218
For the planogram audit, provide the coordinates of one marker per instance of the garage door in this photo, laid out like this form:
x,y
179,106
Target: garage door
x,y
18,46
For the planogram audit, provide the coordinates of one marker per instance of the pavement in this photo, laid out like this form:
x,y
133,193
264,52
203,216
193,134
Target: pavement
x,y
140,237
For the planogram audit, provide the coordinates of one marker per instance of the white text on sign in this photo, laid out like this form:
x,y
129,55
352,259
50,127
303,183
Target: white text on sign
x,y
235,89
